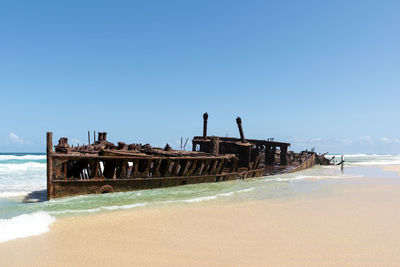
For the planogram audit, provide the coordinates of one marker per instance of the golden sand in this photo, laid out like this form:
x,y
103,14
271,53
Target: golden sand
x,y
355,224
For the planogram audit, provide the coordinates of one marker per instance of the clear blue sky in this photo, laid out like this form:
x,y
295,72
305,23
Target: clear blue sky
x,y
314,73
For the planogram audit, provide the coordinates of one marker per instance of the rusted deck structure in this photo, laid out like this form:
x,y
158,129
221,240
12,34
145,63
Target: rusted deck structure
x,y
102,167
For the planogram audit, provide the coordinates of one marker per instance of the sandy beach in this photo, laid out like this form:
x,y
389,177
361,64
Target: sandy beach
x,y
352,224
199,133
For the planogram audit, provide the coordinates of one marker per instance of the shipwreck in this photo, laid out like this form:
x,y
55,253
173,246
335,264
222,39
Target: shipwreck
x,y
102,167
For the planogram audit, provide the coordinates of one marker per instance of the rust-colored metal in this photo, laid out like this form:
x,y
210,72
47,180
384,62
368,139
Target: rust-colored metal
x,y
205,118
239,123
102,167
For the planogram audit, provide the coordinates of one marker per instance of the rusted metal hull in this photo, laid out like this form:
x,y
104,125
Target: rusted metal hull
x,y
80,187
102,167
64,188
311,161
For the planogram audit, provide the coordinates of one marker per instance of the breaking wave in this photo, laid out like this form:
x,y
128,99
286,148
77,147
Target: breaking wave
x,y
369,159
6,194
27,166
25,225
22,157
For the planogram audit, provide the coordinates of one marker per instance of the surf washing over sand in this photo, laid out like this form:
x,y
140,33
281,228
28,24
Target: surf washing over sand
x,y
24,211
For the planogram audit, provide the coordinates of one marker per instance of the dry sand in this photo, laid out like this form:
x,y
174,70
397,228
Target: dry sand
x,y
355,224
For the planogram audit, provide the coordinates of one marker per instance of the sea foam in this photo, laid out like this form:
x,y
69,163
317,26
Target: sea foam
x,y
13,194
25,225
115,207
22,157
28,166
368,159
314,177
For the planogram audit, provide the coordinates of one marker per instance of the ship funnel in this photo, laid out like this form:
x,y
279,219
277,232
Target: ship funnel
x,y
102,136
205,118
239,123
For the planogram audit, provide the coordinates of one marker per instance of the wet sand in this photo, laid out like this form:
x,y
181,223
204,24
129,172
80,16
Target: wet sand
x,y
394,168
352,224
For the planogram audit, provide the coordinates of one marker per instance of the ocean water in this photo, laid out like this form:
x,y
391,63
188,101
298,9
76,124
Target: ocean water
x,y
24,211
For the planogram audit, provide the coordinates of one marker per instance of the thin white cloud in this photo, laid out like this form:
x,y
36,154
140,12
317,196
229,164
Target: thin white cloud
x,y
388,140
296,140
346,141
304,141
366,140
15,138
315,140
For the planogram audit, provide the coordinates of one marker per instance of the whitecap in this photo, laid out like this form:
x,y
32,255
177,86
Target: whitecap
x,y
22,157
28,166
25,225
375,163
14,193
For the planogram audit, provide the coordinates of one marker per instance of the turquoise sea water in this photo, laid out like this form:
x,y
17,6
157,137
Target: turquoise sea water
x,y
24,211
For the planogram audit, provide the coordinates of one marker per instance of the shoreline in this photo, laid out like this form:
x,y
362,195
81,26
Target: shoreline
x,y
352,224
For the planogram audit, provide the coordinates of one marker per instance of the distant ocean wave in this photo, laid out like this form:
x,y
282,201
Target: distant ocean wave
x,y
22,157
376,163
368,159
7,194
23,167
362,155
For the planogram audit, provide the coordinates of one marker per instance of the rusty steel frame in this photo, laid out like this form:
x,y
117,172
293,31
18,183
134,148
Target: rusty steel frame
x,y
102,167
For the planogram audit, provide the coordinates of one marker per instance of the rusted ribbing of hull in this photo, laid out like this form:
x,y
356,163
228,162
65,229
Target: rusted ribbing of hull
x,y
309,162
165,168
135,169
139,167
214,166
221,166
184,168
156,171
234,165
200,166
146,172
176,168
128,157
192,167
256,163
